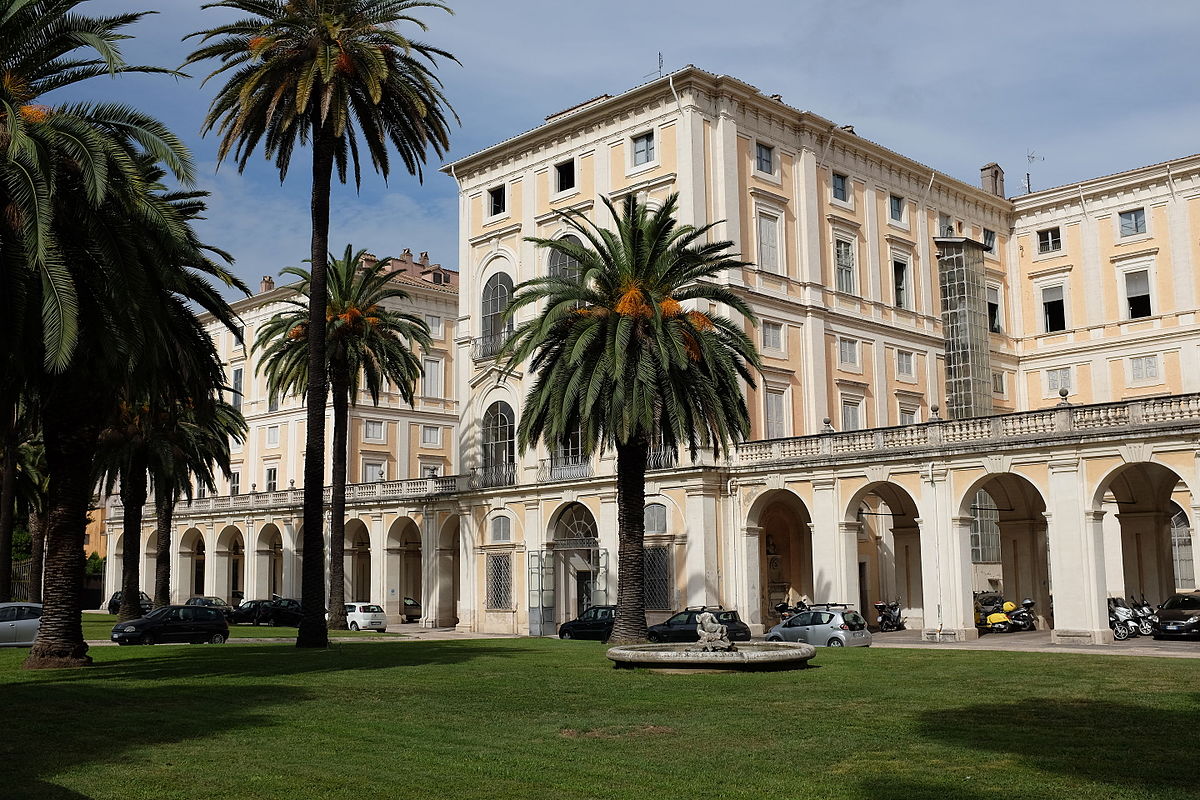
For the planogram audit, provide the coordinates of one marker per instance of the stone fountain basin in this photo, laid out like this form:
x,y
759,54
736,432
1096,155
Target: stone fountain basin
x,y
749,657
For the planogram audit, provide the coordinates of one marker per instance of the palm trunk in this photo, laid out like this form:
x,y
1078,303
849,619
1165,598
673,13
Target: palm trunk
x,y
37,554
164,503
630,623
133,497
312,631
8,503
340,382
71,425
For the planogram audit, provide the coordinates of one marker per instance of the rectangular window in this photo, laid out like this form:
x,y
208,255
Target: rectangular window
x,y
373,430
235,483
431,436
1137,293
841,187
643,149
657,578
851,418
896,207
764,160
768,242
900,282
1058,379
236,398
989,240
272,479
273,403
904,363
496,201
993,305
564,175
1049,240
776,428
272,436
373,471
1054,309
1133,222
431,381
499,581
772,335
435,326
1143,368
908,416
844,256
997,383
945,225
848,352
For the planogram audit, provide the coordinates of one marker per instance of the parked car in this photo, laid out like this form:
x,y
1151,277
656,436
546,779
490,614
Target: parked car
x,y
365,617
681,626
195,624
595,623
283,612
412,610
1178,616
824,627
212,602
256,612
19,623
114,603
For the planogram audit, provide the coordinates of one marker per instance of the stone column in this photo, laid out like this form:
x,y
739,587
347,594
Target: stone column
x,y
946,571
751,600
700,565
1077,568
429,577
291,561
468,581
377,535
1194,531
846,553
835,562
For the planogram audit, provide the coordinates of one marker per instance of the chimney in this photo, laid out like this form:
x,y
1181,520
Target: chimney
x,y
369,260
424,259
267,284
991,178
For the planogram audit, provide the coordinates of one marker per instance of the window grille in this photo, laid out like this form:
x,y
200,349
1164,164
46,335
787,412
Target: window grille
x,y
499,581
657,571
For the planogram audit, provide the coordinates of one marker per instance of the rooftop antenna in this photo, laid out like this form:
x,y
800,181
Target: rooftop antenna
x,y
659,72
1031,157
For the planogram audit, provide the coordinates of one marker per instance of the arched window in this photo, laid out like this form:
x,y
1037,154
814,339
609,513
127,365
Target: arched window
x,y
577,526
499,425
562,265
497,294
501,529
656,519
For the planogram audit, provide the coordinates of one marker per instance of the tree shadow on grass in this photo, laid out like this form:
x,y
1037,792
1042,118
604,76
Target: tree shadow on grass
x,y
67,726
1094,740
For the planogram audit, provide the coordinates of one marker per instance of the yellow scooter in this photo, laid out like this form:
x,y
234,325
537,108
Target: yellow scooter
x,y
991,614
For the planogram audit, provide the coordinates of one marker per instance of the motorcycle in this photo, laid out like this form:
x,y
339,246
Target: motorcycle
x,y
1119,623
1022,617
785,611
888,616
1145,615
990,614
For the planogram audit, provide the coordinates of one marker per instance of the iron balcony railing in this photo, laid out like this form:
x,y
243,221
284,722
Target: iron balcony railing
x,y
495,475
488,346
564,467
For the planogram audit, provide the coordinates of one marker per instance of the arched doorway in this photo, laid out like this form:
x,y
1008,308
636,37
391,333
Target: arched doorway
x,y
574,567
230,577
884,516
785,552
358,562
403,565
1182,550
269,554
192,564
448,564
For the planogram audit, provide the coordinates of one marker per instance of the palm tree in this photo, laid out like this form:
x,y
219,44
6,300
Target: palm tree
x,y
619,362
335,74
367,345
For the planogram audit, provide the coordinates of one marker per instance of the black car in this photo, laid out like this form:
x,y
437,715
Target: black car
x,y
195,624
681,627
114,603
1179,616
255,612
283,612
595,623
212,602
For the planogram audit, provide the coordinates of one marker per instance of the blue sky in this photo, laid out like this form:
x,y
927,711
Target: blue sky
x,y
1092,87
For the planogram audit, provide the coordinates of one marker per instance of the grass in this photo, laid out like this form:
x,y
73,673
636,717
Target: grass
x,y
98,627
521,718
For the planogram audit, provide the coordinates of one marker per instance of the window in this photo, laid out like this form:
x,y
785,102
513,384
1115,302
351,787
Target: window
x,y
851,417
497,293
985,530
235,483
844,258
496,201
236,398
373,471
501,529
431,380
945,225
498,446
564,176
272,479
272,436
772,335
1133,222
373,430
1143,368
434,322
848,352
908,416
643,149
431,436
764,158
563,265
993,305
904,363
776,424
989,240
900,281
1057,379
499,581
997,383
657,578
841,187
656,519
1054,309
1049,240
1137,293
768,242
273,403
896,207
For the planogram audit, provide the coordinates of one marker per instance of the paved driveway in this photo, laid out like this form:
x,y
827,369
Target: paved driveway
x,y
1039,642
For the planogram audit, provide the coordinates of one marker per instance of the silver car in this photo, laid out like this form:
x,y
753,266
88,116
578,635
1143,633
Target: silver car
x,y
19,623
823,628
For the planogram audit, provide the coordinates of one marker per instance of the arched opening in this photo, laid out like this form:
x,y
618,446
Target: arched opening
x,y
447,573
403,568
577,563
884,517
192,564
1010,555
357,557
269,555
1182,551
497,294
1142,502
230,583
785,552
499,450
149,560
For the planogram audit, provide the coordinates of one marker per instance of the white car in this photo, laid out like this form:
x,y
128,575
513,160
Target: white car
x,y
19,623
365,617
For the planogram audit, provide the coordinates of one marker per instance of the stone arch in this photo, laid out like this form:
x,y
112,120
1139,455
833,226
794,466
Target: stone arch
x,y
229,577
404,568
357,559
885,520
269,559
784,526
193,564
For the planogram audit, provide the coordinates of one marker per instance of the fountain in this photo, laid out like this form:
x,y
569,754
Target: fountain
x,y
713,652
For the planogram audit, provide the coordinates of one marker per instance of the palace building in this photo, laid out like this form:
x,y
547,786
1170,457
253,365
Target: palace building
x,y
961,391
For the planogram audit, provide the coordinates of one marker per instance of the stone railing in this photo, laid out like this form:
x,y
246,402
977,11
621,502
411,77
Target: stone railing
x,y
986,432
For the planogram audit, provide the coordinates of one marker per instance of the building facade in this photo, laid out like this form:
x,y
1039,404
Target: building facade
x,y
960,391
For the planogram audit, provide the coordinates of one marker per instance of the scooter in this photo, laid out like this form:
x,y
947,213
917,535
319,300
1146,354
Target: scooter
x,y
889,618
785,611
1021,616
990,616
1144,613
1127,615
1119,624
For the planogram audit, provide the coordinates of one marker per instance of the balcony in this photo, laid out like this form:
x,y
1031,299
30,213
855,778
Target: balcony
x,y
564,468
488,346
493,476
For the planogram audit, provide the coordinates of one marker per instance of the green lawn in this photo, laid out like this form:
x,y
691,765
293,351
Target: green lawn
x,y
99,627
521,718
